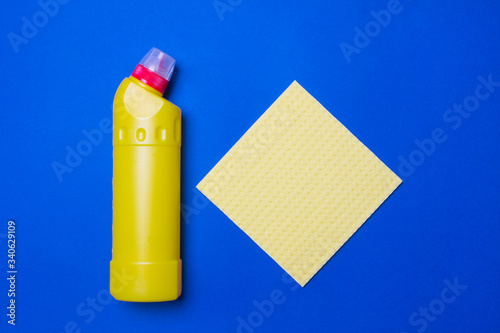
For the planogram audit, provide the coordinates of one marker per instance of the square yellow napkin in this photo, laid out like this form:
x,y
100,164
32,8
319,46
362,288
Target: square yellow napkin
x,y
299,183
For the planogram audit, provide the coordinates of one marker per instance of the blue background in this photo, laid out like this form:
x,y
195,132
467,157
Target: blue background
x,y
441,223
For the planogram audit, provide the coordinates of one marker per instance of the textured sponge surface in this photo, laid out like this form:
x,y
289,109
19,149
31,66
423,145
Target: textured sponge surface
x,y
299,183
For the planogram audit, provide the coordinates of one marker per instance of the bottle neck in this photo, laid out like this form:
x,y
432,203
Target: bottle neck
x,y
150,78
145,86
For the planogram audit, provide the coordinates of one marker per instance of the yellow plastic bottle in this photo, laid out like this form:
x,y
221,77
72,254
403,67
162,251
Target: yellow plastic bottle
x,y
146,264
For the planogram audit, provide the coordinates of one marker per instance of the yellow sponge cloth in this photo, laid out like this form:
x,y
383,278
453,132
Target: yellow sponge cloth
x,y
299,183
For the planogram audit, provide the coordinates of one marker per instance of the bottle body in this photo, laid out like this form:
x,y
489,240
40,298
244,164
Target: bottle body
x,y
146,264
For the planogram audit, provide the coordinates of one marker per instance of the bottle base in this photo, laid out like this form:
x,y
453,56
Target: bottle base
x,y
145,282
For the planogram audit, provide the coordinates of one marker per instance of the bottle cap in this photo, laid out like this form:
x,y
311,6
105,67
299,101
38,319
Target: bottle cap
x,y
155,69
